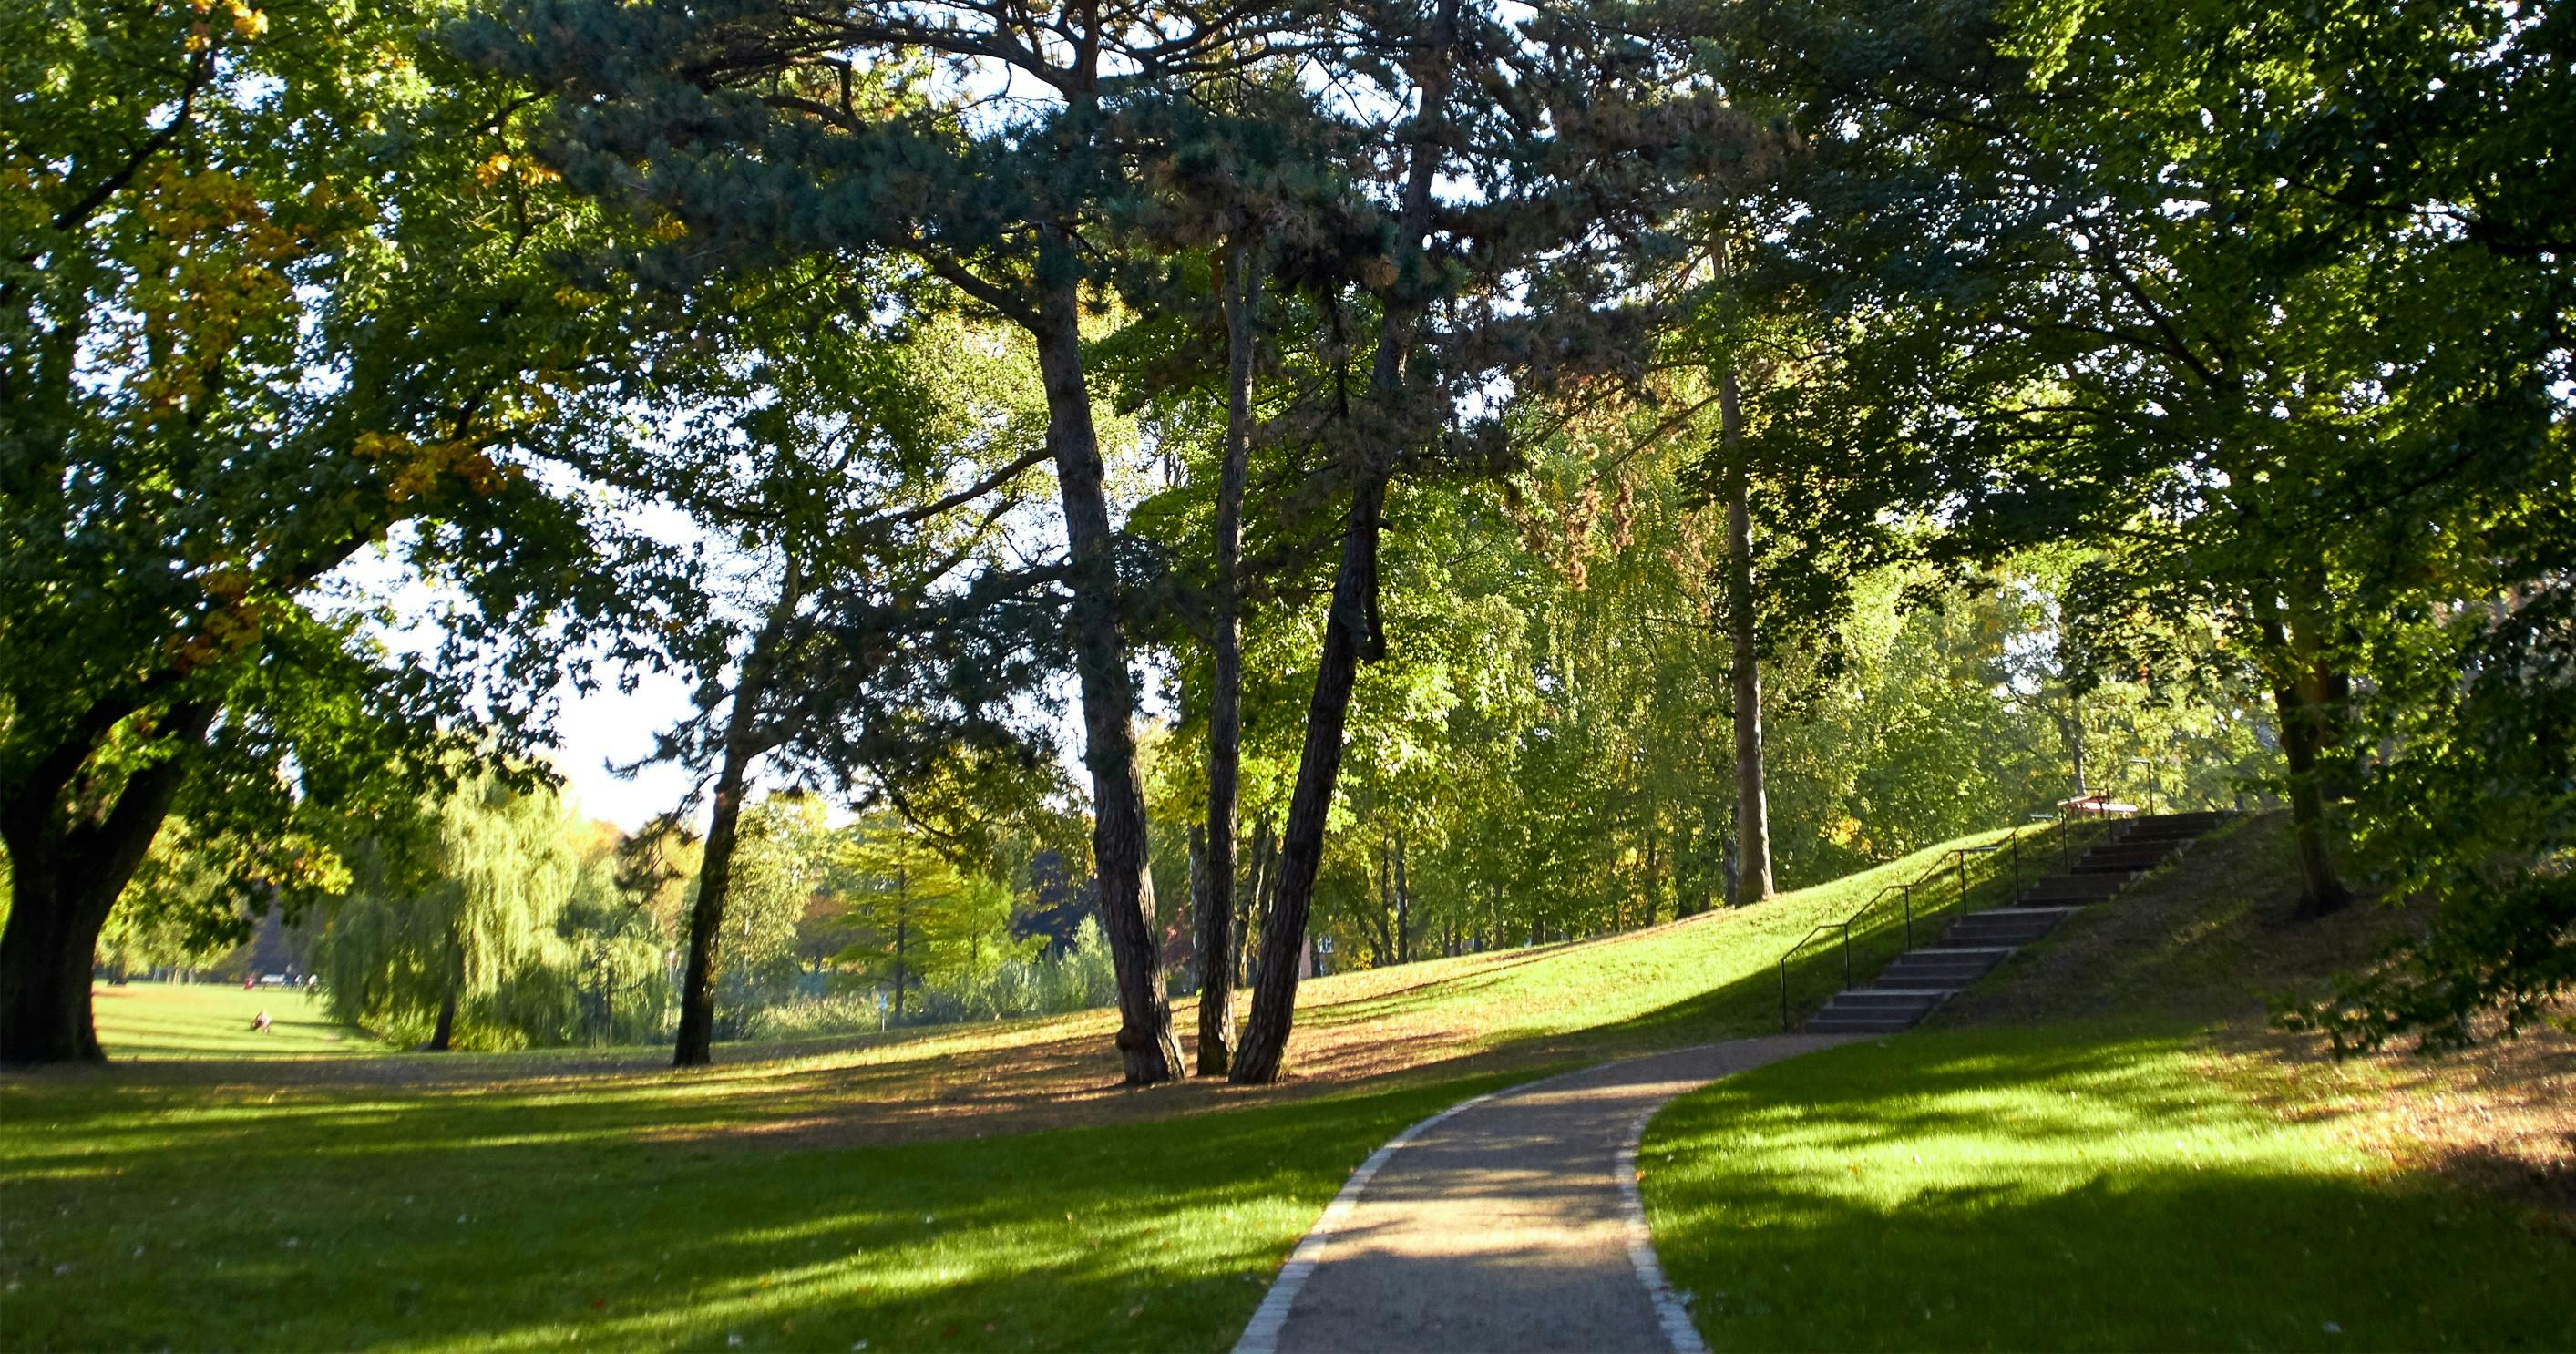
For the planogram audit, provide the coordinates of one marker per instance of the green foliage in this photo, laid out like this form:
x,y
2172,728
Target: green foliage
x,y
494,899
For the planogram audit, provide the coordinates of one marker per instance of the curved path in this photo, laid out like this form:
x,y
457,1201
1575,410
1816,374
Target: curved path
x,y
1509,1222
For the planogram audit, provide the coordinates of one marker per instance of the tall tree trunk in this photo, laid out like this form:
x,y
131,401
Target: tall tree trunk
x,y
1653,887
1403,907
1385,904
1225,702
1301,851
442,1036
64,878
2307,730
1254,904
1118,845
1752,804
902,933
695,1046
1351,627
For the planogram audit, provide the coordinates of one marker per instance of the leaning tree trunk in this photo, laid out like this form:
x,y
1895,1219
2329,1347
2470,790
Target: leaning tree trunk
x,y
1752,803
1319,765
1225,701
1351,627
1118,845
65,877
742,746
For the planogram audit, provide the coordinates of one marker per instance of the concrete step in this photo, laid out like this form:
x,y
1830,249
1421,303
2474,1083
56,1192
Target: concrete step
x,y
2199,820
2075,886
2029,925
1972,964
1988,929
1825,1024
1864,1004
2130,855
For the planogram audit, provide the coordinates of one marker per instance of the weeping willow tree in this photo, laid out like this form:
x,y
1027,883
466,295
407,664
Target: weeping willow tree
x,y
445,910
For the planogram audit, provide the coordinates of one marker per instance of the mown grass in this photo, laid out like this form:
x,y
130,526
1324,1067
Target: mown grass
x,y
2070,1187
2099,1147
979,1187
403,1223
214,1020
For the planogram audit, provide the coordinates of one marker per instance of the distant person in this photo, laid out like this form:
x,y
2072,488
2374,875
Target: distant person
x,y
249,981
259,1023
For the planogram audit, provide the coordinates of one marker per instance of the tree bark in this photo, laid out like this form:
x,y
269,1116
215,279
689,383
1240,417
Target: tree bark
x,y
1319,765
1752,804
1225,701
1350,628
1118,844
2307,731
695,1046
65,877
902,933
442,1036
1403,907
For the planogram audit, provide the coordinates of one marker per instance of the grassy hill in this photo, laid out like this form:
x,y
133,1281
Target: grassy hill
x,y
2102,1147
974,1187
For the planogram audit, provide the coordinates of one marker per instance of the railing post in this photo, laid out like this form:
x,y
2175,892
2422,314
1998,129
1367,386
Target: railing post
x,y
1847,955
1907,891
1784,992
1963,883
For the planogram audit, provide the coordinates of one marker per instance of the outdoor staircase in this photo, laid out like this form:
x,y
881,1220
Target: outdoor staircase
x,y
1918,981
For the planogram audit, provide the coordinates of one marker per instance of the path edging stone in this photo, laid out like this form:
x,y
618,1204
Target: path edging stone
x,y
1261,1334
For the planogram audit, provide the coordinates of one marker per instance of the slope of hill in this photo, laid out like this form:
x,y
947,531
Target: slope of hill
x,y
2109,1110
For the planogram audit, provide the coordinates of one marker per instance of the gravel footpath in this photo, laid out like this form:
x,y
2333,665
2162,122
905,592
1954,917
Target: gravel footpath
x,y
1509,1222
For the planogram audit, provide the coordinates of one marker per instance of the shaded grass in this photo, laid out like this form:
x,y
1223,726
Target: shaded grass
x,y
389,1226
2069,1187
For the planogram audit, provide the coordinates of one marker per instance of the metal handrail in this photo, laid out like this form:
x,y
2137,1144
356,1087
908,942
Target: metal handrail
x,y
1956,857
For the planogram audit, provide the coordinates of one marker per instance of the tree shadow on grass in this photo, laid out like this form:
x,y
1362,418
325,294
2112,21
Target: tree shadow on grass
x,y
1085,1239
2067,1188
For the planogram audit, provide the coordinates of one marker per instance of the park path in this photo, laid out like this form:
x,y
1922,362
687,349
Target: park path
x,y
1508,1222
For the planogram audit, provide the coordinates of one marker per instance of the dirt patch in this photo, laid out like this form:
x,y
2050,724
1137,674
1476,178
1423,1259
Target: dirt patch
x,y
2499,1118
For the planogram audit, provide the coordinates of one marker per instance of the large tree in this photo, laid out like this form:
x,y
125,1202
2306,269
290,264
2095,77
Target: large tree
x,y
744,126
2159,281
269,296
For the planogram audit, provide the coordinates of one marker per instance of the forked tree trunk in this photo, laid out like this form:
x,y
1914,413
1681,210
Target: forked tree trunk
x,y
695,1046
64,879
1752,803
1225,703
1118,845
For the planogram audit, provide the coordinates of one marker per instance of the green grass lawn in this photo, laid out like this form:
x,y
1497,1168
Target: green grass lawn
x,y
812,1195
213,1020
415,1223
2070,1187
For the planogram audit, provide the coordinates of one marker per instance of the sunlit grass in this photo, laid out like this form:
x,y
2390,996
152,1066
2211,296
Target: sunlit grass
x,y
214,1020
983,1186
2069,1187
398,1224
